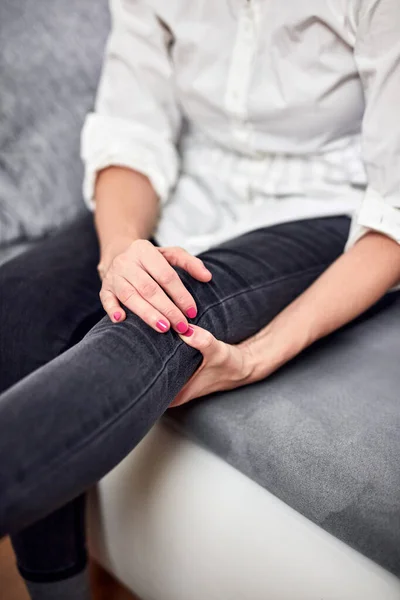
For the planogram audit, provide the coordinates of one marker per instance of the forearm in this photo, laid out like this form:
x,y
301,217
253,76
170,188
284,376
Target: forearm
x,y
126,209
350,286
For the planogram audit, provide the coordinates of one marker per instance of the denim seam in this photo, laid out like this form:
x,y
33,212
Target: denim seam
x,y
258,287
44,571
66,567
55,575
50,468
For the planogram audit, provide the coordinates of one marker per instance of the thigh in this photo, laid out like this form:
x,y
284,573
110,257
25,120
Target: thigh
x,y
256,275
48,300
108,390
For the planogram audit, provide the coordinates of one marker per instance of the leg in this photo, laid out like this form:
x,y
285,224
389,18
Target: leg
x,y
51,554
49,300
83,412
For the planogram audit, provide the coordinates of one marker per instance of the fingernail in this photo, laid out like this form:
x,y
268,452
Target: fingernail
x,y
182,327
162,325
191,312
189,332
117,316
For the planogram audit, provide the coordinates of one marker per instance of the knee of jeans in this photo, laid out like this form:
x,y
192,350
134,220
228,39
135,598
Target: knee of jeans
x,y
201,291
212,313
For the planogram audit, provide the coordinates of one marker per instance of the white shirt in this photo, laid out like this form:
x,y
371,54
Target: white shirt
x,y
246,113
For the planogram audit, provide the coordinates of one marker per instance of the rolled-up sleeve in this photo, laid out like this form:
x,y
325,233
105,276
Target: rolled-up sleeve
x,y
136,119
377,55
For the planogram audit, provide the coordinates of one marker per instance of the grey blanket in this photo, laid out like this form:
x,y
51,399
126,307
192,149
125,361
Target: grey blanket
x,y
50,59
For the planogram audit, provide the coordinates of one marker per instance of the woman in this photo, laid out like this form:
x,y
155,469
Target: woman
x,y
232,129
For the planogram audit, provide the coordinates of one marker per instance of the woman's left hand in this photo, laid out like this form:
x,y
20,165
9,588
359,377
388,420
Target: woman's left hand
x,y
224,366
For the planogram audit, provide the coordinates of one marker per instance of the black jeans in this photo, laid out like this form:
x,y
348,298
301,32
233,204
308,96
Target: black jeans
x,y
78,392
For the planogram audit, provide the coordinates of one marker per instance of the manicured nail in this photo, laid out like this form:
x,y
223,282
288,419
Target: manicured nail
x,y
191,312
162,325
182,327
117,316
189,331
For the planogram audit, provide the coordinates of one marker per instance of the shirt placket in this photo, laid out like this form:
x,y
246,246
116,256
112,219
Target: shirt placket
x,y
240,72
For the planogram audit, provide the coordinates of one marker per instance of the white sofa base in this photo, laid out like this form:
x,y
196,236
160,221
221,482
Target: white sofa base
x,y
175,522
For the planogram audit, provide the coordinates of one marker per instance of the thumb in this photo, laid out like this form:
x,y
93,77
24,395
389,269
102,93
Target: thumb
x,y
200,339
178,257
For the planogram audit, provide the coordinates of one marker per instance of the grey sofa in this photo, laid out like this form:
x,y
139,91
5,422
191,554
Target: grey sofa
x,y
316,444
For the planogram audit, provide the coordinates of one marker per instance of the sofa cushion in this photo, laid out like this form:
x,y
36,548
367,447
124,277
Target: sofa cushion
x,y
323,434
50,59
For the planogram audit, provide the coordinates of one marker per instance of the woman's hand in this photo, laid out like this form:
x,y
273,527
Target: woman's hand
x,y
141,277
224,366
353,283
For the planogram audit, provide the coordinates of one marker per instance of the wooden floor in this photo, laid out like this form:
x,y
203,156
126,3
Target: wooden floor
x,y
12,588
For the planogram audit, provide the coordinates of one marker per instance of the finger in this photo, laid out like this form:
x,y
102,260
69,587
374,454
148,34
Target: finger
x,y
131,298
178,257
112,306
189,391
195,388
161,271
201,339
182,398
151,291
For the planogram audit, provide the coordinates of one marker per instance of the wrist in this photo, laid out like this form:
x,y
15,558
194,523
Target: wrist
x,y
109,251
269,350
262,357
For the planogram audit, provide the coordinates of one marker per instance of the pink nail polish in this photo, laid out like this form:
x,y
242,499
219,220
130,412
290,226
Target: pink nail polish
x,y
117,316
182,327
162,325
189,331
191,312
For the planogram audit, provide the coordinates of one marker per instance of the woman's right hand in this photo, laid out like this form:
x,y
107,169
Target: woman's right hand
x,y
141,277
